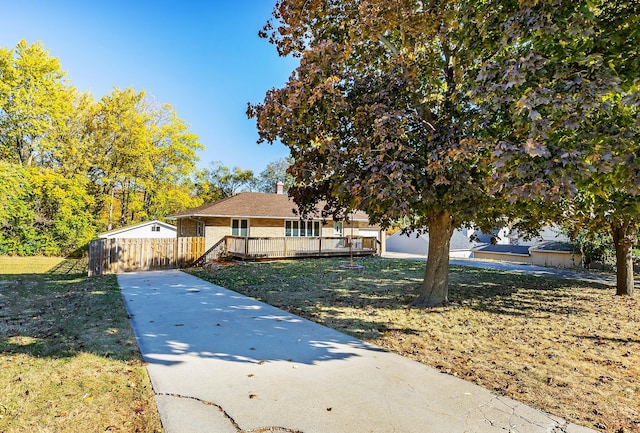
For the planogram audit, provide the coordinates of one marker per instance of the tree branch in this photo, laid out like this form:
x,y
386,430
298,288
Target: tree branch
x,y
387,43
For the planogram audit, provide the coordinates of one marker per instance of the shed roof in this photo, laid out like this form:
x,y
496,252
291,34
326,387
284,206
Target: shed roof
x,y
121,230
504,249
565,247
252,205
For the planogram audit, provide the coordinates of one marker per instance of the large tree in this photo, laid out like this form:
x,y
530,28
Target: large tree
x,y
378,117
121,145
42,212
219,181
34,99
274,172
559,87
124,157
169,186
140,154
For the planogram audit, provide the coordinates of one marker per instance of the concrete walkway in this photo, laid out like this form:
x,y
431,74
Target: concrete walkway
x,y
220,362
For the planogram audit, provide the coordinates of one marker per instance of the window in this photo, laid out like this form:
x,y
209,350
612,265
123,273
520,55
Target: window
x,y
338,228
155,228
239,227
301,228
199,228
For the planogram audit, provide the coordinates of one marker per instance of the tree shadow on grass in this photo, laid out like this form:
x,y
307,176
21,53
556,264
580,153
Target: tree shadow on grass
x,y
326,294
497,292
509,293
491,291
604,340
63,313
364,328
70,266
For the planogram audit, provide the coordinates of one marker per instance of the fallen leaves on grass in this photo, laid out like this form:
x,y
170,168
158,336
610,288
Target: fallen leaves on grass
x,y
68,358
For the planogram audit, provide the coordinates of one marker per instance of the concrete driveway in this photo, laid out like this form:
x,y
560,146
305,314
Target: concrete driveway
x,y
522,268
220,362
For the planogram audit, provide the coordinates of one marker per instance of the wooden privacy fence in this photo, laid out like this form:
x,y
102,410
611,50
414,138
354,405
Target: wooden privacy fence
x,y
112,256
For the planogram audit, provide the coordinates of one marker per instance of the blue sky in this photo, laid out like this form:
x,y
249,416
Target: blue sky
x,y
203,57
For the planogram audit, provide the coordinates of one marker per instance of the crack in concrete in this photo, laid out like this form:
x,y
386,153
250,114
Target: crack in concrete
x,y
559,427
230,418
271,430
208,403
481,408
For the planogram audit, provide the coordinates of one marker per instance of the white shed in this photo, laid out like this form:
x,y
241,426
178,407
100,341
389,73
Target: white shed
x,y
148,230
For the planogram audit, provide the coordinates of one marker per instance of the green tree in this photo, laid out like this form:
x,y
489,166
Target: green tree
x,y
274,172
63,209
42,212
16,216
169,188
76,163
219,181
378,117
120,153
34,99
68,145
594,246
142,157
560,93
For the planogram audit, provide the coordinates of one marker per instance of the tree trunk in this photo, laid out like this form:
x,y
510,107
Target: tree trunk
x,y
110,217
624,259
435,286
124,203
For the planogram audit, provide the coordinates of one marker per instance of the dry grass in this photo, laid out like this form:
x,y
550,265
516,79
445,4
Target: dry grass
x,y
566,347
68,359
28,265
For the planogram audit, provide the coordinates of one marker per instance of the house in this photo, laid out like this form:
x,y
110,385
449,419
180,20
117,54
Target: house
x,y
550,248
148,230
265,225
545,253
463,241
548,233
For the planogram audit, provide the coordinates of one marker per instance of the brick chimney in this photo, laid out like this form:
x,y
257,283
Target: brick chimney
x,y
279,187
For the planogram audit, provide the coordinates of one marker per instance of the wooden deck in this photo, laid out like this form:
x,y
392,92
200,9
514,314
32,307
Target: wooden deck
x,y
248,248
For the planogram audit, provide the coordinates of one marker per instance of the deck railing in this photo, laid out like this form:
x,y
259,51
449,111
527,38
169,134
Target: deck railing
x,y
252,248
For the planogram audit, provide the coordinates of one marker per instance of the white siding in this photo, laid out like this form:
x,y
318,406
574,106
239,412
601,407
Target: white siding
x,y
142,231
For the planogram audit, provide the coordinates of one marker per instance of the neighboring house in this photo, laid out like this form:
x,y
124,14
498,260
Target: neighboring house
x,y
148,230
265,216
463,241
549,248
546,253
550,233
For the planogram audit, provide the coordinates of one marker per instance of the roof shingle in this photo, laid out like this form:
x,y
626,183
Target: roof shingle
x,y
251,205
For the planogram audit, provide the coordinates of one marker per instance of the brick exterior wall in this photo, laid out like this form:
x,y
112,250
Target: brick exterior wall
x,y
266,228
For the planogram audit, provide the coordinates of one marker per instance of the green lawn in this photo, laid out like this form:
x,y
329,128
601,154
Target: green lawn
x,y
68,359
